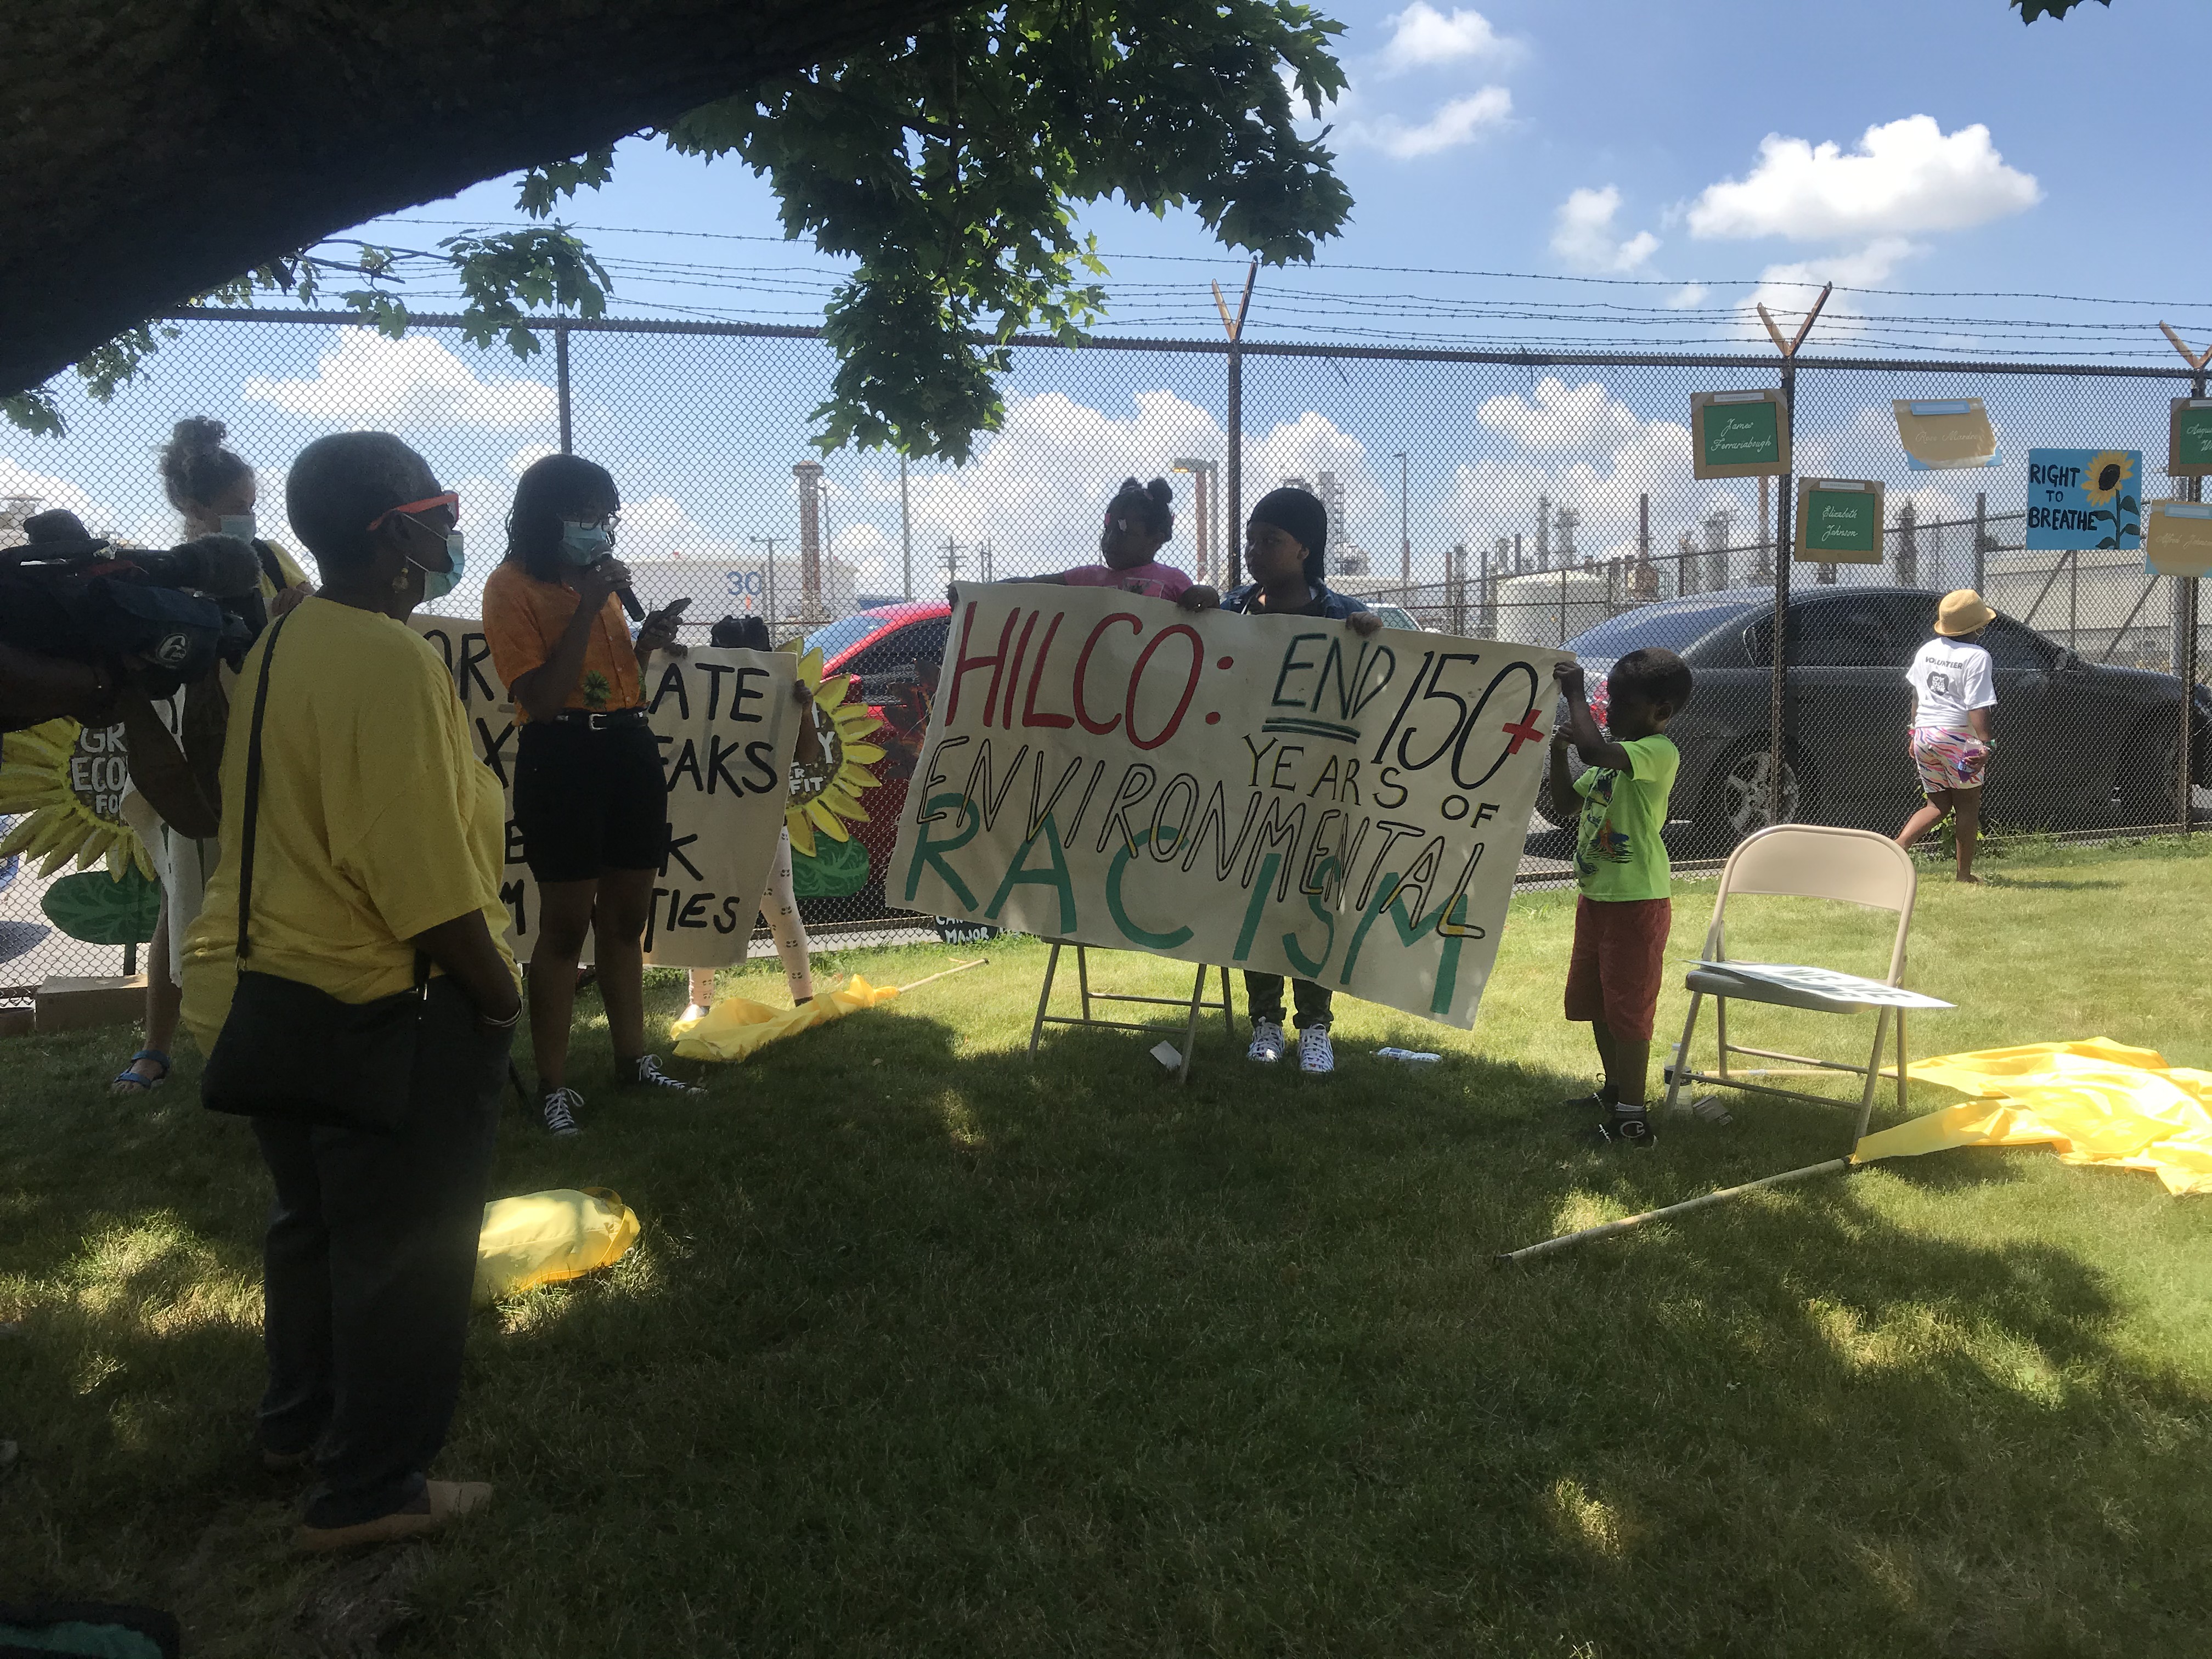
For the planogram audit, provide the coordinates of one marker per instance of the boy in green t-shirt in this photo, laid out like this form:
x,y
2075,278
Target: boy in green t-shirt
x,y
1622,918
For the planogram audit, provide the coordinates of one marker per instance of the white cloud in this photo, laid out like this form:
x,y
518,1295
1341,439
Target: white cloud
x,y
528,457
1688,297
404,384
1788,290
1459,122
1582,234
1905,177
1421,36
49,492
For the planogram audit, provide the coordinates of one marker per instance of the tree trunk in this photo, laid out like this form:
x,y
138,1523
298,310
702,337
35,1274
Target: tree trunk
x,y
152,148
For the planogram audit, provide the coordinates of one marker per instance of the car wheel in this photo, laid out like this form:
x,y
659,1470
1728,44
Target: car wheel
x,y
1736,797
2148,786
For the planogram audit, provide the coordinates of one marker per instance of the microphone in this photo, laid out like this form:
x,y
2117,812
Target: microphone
x,y
635,611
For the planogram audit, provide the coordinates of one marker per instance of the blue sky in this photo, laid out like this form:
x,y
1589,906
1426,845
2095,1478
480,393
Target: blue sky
x,y
1676,159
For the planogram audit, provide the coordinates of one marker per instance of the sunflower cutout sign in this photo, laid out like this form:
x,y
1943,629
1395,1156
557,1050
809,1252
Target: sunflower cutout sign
x,y
69,780
825,793
2084,499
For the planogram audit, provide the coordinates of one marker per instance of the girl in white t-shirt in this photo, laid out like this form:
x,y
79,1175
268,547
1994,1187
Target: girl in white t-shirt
x,y
1953,690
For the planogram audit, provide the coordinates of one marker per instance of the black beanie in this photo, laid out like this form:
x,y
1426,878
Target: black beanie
x,y
1299,511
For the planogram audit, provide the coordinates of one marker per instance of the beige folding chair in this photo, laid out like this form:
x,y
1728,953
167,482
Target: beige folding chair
x,y
1804,861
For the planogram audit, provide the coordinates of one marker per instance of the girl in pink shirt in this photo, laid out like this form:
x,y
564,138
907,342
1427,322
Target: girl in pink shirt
x,y
1140,521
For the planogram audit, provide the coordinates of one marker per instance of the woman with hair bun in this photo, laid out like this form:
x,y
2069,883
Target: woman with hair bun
x,y
1140,522
214,488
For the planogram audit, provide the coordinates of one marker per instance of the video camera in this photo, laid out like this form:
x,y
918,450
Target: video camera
x,y
159,619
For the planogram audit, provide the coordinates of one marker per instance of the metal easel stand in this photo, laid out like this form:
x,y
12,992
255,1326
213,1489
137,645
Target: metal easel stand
x,y
1193,1006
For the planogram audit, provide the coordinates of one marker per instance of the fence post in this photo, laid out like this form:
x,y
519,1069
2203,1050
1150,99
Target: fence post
x,y
561,385
2186,595
1981,526
1784,552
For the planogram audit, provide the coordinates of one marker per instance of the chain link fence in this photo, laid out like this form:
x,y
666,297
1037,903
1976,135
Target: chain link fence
x,y
1544,499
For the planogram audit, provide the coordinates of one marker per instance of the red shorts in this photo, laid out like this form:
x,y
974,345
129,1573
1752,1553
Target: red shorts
x,y
1619,960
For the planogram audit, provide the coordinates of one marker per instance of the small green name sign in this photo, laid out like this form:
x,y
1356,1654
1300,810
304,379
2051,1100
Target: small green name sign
x,y
1839,521
1739,434
2189,453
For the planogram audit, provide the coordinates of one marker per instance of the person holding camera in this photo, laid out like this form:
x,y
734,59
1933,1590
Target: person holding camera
x,y
363,845
215,490
590,798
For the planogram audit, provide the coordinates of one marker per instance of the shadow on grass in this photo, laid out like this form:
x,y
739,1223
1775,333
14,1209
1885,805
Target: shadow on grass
x,y
929,1349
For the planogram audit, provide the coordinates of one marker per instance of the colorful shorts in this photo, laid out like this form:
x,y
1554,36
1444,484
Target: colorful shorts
x,y
1618,963
1948,759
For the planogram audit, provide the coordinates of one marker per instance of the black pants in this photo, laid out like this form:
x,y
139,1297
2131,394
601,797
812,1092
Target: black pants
x,y
367,1267
1263,999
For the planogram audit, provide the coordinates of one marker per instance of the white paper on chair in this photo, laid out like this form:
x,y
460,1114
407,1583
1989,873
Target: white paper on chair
x,y
1827,983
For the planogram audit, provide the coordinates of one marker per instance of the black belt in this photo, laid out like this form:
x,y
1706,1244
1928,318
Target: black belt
x,y
600,723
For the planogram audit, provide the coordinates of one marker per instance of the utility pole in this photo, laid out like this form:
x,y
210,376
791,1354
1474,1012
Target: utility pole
x,y
1234,564
2184,624
768,584
906,528
1204,488
953,551
1404,543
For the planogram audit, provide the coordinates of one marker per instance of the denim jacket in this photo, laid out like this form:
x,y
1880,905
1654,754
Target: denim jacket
x,y
1333,605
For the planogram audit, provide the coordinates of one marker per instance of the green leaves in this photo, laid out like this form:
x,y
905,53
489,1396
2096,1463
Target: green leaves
x,y
948,166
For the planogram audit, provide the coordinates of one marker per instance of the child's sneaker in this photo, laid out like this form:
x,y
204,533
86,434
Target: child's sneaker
x,y
1621,1129
1316,1058
1267,1041
1594,1104
646,1074
561,1113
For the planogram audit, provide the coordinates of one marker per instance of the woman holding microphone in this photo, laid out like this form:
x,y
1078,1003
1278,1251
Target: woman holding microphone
x,y
589,796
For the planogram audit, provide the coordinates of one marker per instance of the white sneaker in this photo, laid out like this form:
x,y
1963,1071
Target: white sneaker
x,y
561,1112
695,1011
1316,1058
1267,1043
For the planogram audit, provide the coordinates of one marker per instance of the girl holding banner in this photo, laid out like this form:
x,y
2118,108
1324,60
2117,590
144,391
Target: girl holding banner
x,y
590,798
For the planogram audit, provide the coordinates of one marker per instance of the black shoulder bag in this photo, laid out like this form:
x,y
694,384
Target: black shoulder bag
x,y
289,1051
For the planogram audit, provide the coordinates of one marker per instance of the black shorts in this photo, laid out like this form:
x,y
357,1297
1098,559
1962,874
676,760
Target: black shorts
x,y
587,801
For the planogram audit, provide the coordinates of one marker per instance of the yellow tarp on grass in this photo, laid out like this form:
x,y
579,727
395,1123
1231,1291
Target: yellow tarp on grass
x,y
734,1028
2092,1101
543,1238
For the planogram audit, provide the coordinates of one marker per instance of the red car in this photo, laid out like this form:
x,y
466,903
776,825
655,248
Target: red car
x,y
885,650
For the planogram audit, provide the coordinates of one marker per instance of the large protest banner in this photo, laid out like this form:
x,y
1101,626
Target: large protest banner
x,y
1272,792
726,725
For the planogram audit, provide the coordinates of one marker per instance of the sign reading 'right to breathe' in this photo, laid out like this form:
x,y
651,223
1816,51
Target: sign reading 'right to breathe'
x,y
2084,499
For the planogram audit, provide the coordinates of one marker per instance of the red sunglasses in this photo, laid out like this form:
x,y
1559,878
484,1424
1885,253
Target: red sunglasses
x,y
450,499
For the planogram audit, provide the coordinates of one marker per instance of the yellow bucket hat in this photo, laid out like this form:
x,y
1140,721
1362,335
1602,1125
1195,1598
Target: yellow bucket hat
x,y
1963,612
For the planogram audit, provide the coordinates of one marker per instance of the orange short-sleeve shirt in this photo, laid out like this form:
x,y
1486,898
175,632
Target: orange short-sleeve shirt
x,y
524,619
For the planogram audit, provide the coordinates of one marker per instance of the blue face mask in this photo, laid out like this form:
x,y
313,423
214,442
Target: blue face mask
x,y
240,525
436,584
585,544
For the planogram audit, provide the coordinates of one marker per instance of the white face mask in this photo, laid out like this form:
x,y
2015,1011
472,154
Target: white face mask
x,y
240,525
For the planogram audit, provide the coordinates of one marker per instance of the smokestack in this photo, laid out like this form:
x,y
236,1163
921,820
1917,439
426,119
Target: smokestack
x,y
808,474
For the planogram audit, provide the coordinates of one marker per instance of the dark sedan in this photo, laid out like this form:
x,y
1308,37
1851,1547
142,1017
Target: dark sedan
x,y
2080,746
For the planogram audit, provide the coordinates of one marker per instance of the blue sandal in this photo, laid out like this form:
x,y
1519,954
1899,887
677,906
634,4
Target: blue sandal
x,y
128,1082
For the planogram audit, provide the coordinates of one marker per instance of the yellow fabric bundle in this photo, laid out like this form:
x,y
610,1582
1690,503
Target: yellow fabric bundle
x,y
543,1238
734,1028
2092,1101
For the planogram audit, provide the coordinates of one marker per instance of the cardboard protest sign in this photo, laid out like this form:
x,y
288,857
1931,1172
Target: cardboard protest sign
x,y
1739,434
1840,521
2177,539
1271,792
2188,439
2084,498
726,725
1944,433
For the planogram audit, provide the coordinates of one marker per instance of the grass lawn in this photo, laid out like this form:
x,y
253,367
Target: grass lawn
x,y
927,1349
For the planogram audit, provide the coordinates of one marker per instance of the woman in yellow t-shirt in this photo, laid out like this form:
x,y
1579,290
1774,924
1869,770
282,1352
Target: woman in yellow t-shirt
x,y
590,798
378,835
214,488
